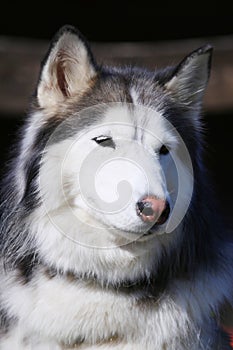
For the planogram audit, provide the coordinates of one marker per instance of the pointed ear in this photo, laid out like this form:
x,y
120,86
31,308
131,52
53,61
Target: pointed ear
x,y
68,68
191,76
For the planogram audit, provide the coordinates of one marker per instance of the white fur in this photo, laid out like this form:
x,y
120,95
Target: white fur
x,y
134,96
77,163
36,122
70,55
63,310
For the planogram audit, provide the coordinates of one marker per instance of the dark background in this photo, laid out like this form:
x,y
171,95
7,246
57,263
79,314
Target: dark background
x,y
132,21
119,20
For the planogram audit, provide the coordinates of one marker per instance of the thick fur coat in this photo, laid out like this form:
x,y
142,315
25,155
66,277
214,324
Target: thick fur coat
x,y
82,272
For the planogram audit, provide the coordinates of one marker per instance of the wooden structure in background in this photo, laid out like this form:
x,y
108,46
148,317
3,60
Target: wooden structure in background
x,y
20,64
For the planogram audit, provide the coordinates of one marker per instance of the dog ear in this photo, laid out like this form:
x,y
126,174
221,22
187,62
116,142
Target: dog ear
x,y
190,78
67,70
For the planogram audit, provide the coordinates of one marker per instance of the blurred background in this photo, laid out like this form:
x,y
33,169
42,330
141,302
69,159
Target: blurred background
x,y
150,34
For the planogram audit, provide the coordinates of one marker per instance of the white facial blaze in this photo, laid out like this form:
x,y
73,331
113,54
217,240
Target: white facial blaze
x,y
100,184
121,178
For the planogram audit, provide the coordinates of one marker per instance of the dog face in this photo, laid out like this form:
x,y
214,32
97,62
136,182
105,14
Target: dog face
x,y
111,168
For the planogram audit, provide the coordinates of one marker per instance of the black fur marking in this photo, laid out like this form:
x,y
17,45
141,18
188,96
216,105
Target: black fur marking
x,y
207,49
30,199
6,322
142,288
27,266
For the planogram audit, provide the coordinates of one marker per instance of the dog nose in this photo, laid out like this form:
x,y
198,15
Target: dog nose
x,y
153,209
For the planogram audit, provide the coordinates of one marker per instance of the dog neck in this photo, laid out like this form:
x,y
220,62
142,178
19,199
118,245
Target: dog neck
x,y
140,288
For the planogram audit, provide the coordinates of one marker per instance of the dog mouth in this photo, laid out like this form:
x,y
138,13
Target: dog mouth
x,y
134,231
157,228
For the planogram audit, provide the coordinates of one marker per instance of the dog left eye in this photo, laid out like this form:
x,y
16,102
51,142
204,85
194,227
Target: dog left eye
x,y
163,150
105,141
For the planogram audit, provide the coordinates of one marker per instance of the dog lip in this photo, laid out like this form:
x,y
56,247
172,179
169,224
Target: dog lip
x,y
152,230
148,233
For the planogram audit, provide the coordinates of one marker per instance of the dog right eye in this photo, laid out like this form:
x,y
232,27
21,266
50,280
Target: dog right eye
x,y
105,141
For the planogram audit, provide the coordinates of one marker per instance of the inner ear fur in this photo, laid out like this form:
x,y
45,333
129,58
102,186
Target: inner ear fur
x,y
67,70
190,78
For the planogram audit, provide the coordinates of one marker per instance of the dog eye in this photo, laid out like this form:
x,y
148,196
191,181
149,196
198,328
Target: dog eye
x,y
163,150
105,141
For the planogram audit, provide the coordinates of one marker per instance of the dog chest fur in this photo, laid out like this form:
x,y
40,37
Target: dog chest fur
x,y
81,314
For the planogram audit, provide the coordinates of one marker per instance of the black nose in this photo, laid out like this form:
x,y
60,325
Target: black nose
x,y
153,209
145,208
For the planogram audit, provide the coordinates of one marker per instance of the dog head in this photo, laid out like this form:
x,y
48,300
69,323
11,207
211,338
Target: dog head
x,y
114,149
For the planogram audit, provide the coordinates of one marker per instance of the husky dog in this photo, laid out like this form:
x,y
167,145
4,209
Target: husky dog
x,y
110,233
